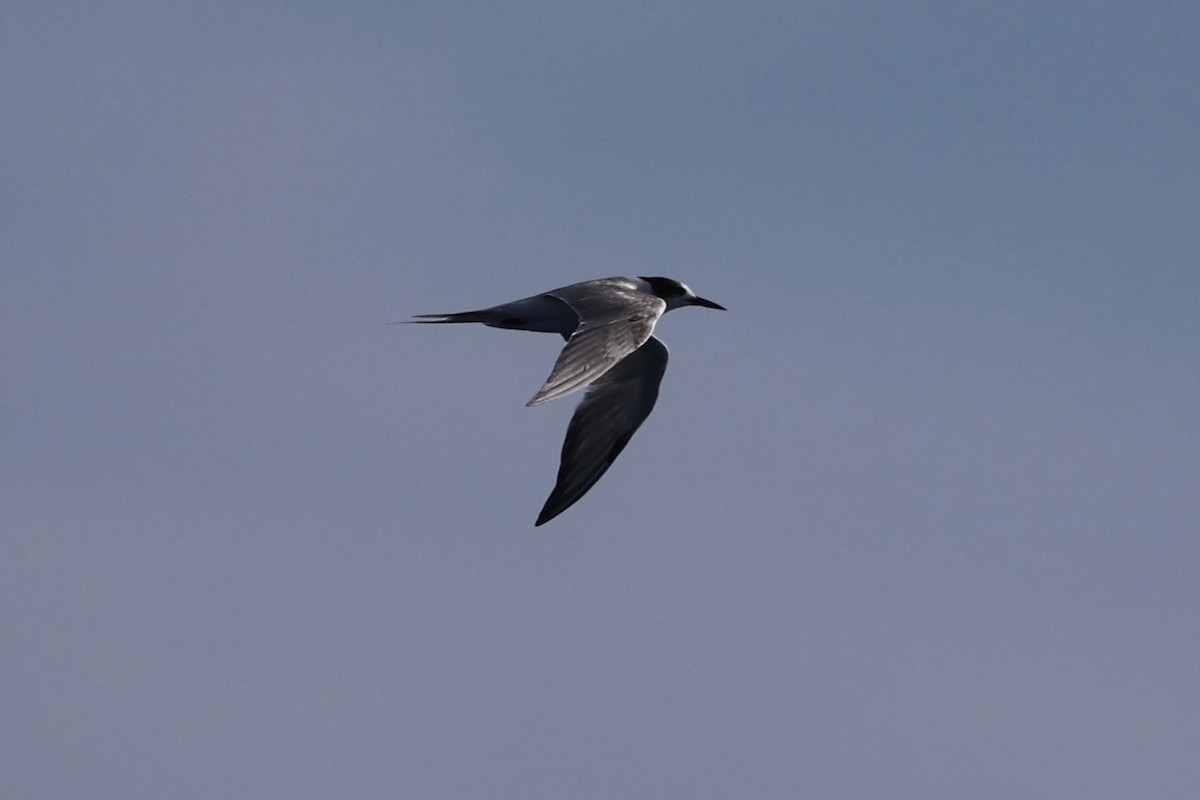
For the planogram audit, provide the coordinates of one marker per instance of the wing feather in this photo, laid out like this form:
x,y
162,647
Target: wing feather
x,y
615,320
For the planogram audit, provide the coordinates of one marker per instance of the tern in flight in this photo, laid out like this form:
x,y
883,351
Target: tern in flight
x,y
610,351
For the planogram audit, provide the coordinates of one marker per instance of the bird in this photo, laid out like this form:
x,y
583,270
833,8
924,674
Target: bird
x,y
610,351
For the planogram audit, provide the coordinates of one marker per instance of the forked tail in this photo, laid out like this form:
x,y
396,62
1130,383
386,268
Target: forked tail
x,y
464,316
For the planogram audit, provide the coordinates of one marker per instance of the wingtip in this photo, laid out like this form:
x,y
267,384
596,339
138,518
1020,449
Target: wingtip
x,y
548,393
542,396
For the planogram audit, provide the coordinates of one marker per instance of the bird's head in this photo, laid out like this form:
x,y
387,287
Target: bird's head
x,y
676,294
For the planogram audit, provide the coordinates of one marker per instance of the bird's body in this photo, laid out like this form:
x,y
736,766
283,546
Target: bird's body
x,y
610,350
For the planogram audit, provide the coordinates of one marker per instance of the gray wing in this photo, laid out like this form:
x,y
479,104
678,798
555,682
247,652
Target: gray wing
x,y
615,406
614,320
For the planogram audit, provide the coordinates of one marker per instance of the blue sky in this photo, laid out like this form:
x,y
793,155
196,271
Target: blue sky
x,y
916,517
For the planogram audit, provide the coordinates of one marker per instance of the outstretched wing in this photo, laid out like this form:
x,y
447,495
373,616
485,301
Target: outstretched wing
x,y
615,319
615,406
